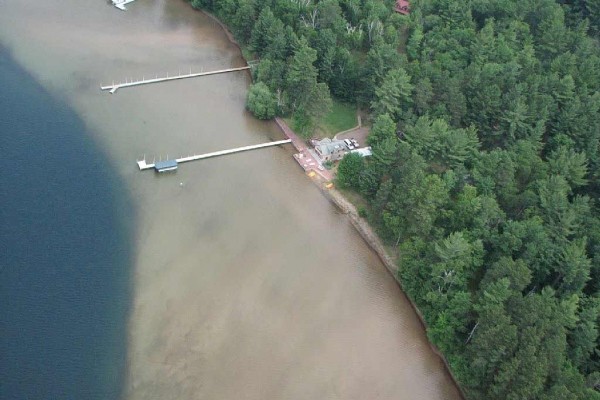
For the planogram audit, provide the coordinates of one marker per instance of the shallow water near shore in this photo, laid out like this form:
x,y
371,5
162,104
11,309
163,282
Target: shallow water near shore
x,y
246,282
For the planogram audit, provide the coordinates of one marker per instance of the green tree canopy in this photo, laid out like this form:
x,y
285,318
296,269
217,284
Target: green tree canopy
x,y
261,102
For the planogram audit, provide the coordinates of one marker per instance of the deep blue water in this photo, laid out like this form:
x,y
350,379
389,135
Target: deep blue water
x,y
65,251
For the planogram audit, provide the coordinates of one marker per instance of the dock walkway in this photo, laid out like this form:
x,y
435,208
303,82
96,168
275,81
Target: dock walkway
x,y
115,86
143,165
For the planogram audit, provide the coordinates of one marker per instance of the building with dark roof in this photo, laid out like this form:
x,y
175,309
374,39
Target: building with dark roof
x,y
168,165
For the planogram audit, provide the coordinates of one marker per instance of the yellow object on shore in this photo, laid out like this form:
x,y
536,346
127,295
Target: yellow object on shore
x,y
329,185
312,174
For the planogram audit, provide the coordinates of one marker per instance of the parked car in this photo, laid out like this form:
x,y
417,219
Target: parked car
x,y
349,144
355,143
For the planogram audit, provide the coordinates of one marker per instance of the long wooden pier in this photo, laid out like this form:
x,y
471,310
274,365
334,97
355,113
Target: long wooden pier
x,y
115,86
143,165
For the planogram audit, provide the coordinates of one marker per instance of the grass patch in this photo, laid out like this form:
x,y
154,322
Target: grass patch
x,y
298,130
340,118
355,198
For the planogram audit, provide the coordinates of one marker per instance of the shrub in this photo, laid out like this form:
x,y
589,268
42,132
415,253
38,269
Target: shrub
x,y
261,102
349,170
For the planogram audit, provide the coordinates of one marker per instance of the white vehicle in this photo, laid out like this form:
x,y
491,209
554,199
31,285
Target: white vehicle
x,y
349,144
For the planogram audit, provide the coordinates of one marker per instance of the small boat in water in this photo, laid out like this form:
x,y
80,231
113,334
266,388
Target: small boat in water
x,y
120,4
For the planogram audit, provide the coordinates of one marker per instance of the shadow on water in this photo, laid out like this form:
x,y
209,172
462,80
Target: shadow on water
x,y
65,251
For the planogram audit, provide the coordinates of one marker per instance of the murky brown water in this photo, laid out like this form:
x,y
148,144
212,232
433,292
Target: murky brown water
x,y
248,283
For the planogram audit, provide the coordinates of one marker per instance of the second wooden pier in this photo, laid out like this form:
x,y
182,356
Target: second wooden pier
x,y
170,165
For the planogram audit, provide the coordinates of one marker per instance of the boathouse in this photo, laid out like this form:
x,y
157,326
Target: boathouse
x,y
164,166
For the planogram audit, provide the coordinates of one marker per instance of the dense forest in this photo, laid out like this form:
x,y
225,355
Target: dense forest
x,y
485,173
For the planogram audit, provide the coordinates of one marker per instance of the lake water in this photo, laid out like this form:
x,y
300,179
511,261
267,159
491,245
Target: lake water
x,y
239,278
66,251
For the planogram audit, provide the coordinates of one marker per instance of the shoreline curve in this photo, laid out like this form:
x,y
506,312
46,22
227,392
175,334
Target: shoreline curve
x,y
360,225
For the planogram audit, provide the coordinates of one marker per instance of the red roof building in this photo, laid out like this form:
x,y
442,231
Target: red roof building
x,y
402,7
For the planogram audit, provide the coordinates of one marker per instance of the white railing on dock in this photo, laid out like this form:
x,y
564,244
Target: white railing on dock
x,y
115,86
143,165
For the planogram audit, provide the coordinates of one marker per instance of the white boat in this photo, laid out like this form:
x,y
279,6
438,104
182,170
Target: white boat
x,y
120,4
